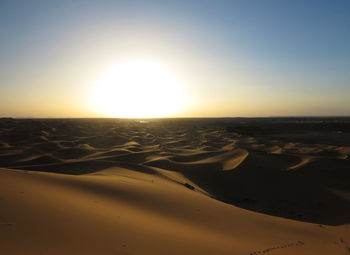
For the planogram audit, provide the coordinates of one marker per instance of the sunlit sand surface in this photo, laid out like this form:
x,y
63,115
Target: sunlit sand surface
x,y
175,186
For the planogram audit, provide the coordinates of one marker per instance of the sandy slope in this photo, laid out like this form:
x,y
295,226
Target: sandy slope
x,y
119,211
124,187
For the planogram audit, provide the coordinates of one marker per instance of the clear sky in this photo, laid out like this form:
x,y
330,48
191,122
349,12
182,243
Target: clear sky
x,y
232,58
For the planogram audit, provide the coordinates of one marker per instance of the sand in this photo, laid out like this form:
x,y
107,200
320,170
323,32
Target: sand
x,y
172,187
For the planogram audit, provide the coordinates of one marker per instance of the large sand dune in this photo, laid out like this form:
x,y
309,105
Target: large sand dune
x,y
174,187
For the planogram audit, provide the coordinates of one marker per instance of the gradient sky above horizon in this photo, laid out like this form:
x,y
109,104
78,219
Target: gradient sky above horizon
x,y
236,58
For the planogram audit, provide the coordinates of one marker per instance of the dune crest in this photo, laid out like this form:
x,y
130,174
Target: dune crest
x,y
170,187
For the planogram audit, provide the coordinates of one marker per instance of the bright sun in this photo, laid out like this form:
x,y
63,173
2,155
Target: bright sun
x,y
138,89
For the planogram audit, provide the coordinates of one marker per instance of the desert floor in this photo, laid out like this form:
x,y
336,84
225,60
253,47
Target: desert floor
x,y
175,186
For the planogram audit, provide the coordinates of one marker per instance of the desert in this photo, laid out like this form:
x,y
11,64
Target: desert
x,y
175,186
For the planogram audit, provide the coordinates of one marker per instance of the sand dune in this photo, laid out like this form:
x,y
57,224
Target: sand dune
x,y
127,212
169,187
303,161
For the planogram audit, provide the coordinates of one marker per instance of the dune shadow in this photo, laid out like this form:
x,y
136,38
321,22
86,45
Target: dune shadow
x,y
266,175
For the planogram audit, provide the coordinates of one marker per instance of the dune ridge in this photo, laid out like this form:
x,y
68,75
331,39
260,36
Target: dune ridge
x,y
169,187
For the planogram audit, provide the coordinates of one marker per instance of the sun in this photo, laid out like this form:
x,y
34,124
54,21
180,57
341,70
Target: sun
x,y
138,89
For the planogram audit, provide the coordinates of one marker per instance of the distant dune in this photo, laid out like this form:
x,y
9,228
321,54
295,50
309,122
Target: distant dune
x,y
175,186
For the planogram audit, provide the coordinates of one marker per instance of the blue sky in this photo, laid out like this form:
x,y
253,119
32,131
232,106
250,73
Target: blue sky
x,y
237,58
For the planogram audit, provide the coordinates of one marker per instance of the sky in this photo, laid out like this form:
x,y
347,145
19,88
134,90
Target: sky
x,y
232,58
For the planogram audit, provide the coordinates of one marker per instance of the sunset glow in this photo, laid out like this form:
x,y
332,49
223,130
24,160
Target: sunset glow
x,y
138,89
